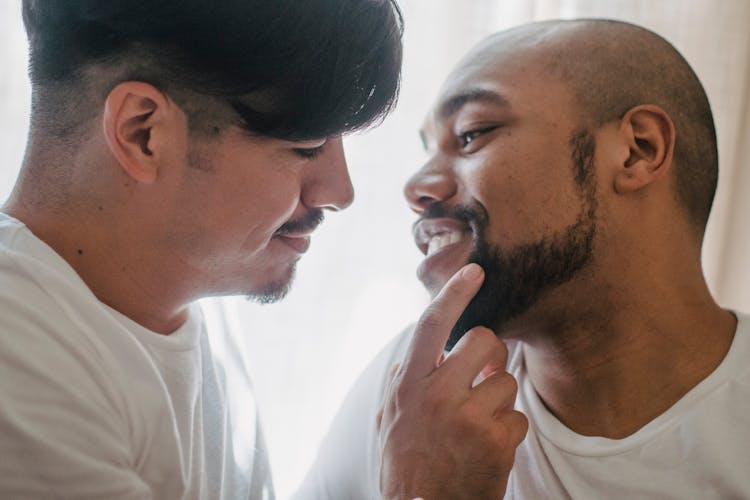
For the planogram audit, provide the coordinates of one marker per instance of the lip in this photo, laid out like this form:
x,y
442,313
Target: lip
x,y
298,240
438,267
299,243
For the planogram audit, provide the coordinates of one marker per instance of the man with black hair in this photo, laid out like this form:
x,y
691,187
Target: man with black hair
x,y
177,150
576,162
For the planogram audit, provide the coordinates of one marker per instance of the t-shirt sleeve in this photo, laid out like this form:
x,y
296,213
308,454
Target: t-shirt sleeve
x,y
62,434
348,463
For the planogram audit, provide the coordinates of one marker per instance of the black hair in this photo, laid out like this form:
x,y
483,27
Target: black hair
x,y
290,69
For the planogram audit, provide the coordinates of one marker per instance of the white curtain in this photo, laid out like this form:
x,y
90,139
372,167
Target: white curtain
x,y
14,94
356,288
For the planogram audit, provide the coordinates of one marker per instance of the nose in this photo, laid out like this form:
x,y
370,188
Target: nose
x,y
329,185
432,183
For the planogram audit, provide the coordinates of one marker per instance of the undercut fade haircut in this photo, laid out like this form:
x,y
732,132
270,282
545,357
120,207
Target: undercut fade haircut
x,y
287,69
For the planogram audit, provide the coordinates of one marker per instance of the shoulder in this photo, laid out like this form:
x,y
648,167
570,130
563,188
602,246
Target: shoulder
x,y
57,341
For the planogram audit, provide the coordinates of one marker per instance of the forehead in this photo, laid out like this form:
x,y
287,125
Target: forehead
x,y
520,82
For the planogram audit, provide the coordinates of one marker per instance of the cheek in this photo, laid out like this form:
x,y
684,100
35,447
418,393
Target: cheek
x,y
262,210
241,213
528,199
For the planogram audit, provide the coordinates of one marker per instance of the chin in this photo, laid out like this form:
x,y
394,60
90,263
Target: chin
x,y
274,290
433,286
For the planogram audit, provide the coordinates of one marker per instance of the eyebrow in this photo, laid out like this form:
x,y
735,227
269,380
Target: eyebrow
x,y
453,104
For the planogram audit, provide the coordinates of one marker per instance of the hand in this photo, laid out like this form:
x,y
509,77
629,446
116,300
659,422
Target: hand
x,y
442,436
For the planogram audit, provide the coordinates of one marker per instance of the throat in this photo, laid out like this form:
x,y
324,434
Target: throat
x,y
613,389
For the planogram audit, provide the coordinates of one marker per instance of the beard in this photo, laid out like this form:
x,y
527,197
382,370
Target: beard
x,y
274,291
516,279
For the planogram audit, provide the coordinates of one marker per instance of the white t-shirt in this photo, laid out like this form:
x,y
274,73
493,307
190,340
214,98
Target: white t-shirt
x,y
94,406
698,449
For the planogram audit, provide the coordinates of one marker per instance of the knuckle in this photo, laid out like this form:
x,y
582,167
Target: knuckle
x,y
504,387
521,424
503,435
485,338
471,339
512,429
509,382
401,394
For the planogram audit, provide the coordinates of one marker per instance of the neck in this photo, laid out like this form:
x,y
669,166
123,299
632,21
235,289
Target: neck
x,y
611,367
111,258
80,203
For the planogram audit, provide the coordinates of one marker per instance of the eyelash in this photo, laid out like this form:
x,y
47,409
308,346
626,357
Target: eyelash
x,y
309,153
467,137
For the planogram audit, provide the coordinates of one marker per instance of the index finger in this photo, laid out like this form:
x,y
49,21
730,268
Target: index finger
x,y
435,324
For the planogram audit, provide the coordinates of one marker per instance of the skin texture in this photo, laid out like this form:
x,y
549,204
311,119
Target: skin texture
x,y
626,335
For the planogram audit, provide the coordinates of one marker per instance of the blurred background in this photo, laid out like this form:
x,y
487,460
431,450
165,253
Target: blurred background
x,y
356,287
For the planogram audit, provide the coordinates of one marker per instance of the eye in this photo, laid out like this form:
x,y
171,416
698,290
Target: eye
x,y
308,153
467,137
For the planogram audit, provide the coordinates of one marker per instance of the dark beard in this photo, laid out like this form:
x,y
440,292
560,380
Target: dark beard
x,y
515,280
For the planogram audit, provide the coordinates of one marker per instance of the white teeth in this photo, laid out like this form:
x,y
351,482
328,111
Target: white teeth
x,y
442,240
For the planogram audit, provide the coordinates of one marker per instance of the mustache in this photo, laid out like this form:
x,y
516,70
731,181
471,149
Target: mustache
x,y
472,214
308,222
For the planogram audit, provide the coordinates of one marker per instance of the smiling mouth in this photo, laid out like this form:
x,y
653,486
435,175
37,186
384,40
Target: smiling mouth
x,y
440,241
435,235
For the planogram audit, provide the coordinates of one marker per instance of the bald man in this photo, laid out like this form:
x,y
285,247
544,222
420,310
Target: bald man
x,y
576,162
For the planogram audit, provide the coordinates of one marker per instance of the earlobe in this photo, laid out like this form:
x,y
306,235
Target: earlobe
x,y
650,135
133,123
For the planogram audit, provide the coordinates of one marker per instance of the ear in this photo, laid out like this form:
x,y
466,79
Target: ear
x,y
138,121
650,136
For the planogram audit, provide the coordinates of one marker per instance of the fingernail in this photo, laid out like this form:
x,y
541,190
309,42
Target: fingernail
x,y
471,272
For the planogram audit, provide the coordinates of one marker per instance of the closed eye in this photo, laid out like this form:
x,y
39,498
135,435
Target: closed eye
x,y
309,153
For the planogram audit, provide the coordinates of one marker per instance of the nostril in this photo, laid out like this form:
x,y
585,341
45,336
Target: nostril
x,y
425,200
